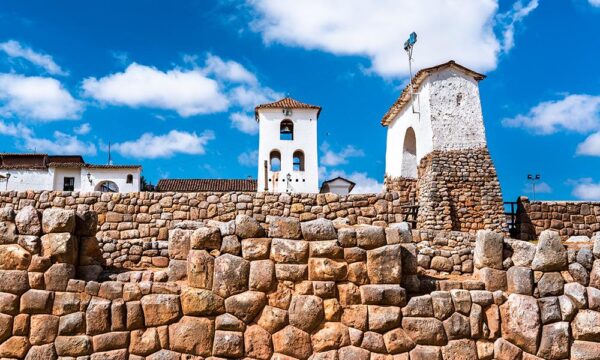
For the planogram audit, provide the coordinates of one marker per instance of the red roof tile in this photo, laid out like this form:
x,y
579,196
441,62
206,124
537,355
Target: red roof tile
x,y
287,103
200,185
417,80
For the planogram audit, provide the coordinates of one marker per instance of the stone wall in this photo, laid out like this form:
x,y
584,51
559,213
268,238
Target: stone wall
x,y
133,227
569,218
292,290
459,190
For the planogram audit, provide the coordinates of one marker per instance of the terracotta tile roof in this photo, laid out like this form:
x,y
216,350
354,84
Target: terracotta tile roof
x,y
417,80
200,185
43,161
111,166
23,161
287,103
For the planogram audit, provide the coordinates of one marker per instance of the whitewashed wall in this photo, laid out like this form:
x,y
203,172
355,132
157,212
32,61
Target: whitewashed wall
x,y
447,116
53,179
305,139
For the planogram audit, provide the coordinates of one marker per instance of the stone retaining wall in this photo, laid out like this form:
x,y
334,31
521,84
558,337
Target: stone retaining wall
x,y
316,289
569,218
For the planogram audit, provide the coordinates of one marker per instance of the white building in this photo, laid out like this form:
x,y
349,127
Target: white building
x,y
287,150
441,112
23,172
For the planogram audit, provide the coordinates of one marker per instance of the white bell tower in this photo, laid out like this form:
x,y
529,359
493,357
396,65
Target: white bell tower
x,y
287,147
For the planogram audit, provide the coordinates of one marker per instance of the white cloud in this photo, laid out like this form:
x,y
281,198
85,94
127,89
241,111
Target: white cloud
x,y
188,92
511,18
244,123
150,146
216,86
590,146
60,143
541,188
83,129
463,31
248,158
229,70
578,113
595,3
14,49
36,98
364,183
586,189
332,158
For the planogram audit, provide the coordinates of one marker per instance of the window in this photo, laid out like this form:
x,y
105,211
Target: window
x,y
298,160
69,184
286,130
107,186
275,160
130,179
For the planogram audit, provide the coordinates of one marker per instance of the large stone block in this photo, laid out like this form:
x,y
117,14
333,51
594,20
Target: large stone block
x,y
97,316
323,269
554,344
206,238
28,221
57,276
56,220
144,342
36,301
14,257
74,346
493,279
192,335
464,349
228,344
160,309
179,243
523,253
383,318
247,227
289,251
272,319
519,280
550,254
370,237
425,331
488,250
15,347
257,343
284,227
330,336
8,232
14,281
293,342
231,275
256,248
585,350
246,306
521,323
262,275
383,295
397,341
198,302
319,229
200,268
306,312
61,247
586,325
384,265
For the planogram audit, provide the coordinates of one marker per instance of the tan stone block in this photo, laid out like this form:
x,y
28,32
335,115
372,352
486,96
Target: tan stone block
x,y
192,335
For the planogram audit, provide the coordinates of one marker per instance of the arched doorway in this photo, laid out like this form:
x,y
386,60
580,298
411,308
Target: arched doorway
x,y
409,155
107,186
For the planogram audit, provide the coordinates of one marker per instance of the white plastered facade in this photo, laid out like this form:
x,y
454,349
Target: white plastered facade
x,y
52,178
444,113
304,139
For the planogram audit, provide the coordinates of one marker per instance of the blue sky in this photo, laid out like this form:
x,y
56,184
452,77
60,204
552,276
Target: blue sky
x,y
172,85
